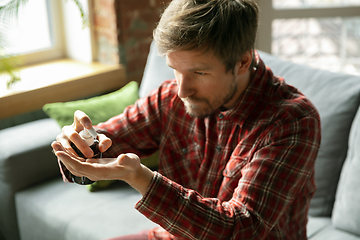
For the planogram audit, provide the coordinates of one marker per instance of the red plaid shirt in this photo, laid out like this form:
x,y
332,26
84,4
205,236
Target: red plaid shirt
x,y
247,173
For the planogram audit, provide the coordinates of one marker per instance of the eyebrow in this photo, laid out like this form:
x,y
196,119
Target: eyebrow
x,y
201,67
167,63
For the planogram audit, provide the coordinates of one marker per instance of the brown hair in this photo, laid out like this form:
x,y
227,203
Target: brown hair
x,y
227,27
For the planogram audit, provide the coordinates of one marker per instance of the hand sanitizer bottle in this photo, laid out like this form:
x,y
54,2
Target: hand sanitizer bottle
x,y
90,137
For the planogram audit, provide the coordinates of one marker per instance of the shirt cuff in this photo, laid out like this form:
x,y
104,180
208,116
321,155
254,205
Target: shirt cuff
x,y
159,198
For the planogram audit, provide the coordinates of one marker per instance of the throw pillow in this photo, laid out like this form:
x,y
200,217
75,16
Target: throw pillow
x,y
346,212
99,108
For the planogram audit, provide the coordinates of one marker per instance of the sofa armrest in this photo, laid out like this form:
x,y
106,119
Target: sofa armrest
x,y
26,155
26,158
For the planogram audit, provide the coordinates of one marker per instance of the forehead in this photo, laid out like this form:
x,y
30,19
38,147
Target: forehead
x,y
192,59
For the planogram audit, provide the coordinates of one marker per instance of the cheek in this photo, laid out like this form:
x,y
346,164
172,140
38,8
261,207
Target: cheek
x,y
217,85
221,88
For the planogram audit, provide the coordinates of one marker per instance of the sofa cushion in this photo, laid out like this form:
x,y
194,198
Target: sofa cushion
x,y
316,225
65,211
346,213
99,108
156,71
331,233
337,97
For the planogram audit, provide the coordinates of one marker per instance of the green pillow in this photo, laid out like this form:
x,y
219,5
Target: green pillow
x,y
99,109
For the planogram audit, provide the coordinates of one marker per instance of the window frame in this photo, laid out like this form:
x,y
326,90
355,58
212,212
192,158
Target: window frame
x,y
65,42
57,50
269,14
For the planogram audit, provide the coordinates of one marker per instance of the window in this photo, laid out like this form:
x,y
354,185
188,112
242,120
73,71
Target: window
x,y
323,34
35,32
313,3
21,33
72,75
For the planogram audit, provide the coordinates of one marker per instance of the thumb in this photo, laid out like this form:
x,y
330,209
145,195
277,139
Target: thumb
x,y
128,159
81,121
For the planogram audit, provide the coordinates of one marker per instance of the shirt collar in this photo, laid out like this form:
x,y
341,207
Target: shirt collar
x,y
250,96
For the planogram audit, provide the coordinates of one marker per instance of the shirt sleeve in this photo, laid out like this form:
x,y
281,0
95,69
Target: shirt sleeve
x,y
137,129
270,181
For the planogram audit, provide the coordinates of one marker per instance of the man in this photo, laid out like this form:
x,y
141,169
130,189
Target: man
x,y
237,144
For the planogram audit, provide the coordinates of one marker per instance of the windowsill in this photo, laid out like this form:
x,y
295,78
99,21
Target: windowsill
x,y
58,81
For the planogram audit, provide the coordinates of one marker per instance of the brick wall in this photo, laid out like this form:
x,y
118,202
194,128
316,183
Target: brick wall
x,y
105,30
123,31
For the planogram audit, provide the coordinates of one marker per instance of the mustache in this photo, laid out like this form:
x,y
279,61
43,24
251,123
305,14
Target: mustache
x,y
194,99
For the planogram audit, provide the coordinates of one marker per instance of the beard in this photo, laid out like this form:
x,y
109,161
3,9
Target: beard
x,y
203,107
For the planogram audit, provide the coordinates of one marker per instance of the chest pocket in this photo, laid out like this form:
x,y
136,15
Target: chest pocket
x,y
231,177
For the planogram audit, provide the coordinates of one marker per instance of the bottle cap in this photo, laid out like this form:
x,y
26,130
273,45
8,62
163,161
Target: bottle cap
x,y
88,136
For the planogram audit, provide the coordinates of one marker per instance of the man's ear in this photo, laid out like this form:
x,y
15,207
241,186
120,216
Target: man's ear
x,y
244,64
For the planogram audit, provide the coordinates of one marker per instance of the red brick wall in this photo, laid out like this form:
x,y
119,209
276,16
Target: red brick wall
x,y
105,30
123,30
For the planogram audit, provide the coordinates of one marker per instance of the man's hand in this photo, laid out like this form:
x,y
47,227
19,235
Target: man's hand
x,y
71,134
126,167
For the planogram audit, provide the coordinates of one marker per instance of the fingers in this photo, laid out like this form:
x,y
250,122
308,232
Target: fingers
x,y
128,160
59,148
104,142
81,120
74,164
71,134
98,168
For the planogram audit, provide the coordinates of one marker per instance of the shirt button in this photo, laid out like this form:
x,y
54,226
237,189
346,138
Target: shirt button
x,y
218,148
208,182
221,116
184,150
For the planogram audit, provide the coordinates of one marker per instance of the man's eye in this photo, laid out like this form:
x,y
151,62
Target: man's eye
x,y
199,73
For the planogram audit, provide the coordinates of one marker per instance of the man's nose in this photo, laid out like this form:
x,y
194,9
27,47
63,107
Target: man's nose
x,y
185,85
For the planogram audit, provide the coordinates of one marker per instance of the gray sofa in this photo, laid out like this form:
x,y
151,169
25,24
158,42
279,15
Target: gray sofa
x,y
36,204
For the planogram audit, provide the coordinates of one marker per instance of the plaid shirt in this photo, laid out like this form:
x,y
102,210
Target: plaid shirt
x,y
246,173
